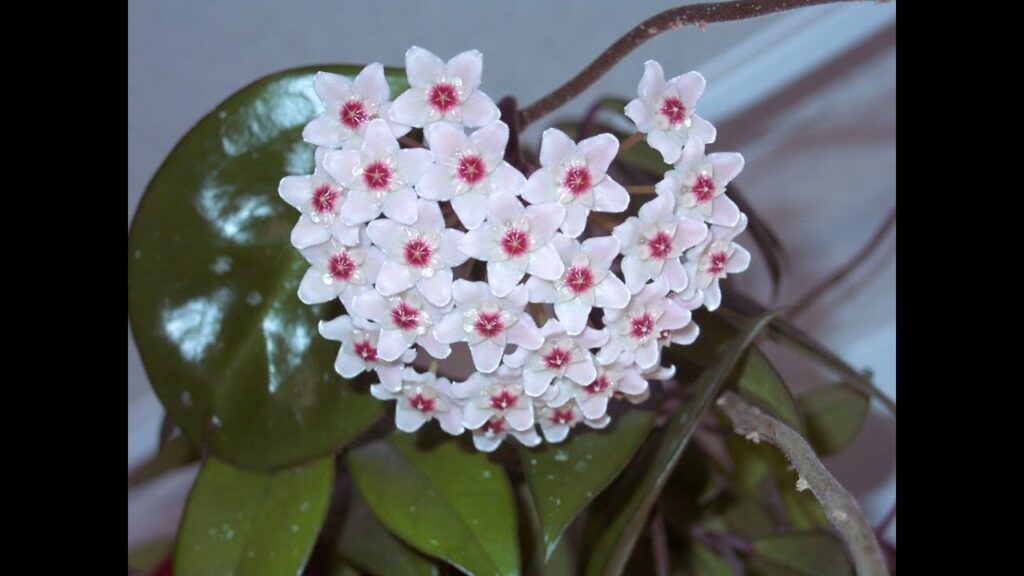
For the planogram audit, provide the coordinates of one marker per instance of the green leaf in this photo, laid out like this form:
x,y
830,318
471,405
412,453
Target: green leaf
x,y
444,499
702,561
366,543
834,416
174,453
562,559
564,478
613,548
799,554
231,352
743,516
146,557
244,523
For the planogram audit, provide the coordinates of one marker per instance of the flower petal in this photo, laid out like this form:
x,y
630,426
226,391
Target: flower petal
x,y
555,433
391,344
372,306
332,88
307,233
525,333
434,348
545,263
491,139
724,212
485,443
646,354
599,151
313,290
504,206
575,222
479,110
594,406
478,243
521,417
372,84
555,146
536,382
540,188
670,146
347,364
450,329
395,278
703,130
469,67
505,178
407,418
487,355
689,233
473,416
413,164
640,114
739,261
505,274
610,196
471,209
360,206
437,289
326,131
674,273
338,329
582,373
544,221
445,139
387,234
611,293
400,205
469,293
410,109
342,165
450,421
422,66
691,86
541,290
573,314
652,83
390,377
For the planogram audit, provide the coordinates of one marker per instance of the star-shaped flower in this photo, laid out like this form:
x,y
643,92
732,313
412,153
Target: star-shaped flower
x,y
468,169
616,378
574,175
336,270
715,258
496,405
515,240
358,352
586,282
423,397
443,92
698,185
421,254
556,422
350,106
319,197
664,111
379,175
653,242
634,331
561,356
488,323
405,319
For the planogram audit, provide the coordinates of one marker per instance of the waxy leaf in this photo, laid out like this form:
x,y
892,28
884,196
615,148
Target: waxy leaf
x,y
834,416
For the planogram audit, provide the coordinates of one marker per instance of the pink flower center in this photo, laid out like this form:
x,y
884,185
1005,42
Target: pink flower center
x,y
703,189
443,97
471,169
341,266
504,400
418,253
674,110
494,427
489,324
365,350
579,279
562,416
641,326
377,175
717,262
405,317
324,198
597,386
353,114
660,246
515,242
422,403
557,359
577,180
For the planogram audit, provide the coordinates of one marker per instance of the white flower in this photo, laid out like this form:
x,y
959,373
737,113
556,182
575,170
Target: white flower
x,y
358,352
488,323
561,356
421,398
319,198
687,334
468,169
634,331
515,240
715,258
556,422
496,405
653,243
379,175
405,319
613,379
350,106
420,255
586,282
574,175
698,185
664,111
439,91
339,271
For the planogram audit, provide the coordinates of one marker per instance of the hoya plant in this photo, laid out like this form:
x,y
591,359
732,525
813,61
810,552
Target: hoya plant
x,y
400,342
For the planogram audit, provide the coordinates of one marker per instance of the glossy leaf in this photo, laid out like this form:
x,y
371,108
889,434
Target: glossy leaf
x,y
742,516
245,523
366,543
563,557
625,524
175,453
834,416
799,554
565,477
443,498
231,352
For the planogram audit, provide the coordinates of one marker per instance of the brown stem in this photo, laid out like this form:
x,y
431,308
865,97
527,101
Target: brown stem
x,y
409,142
640,189
833,280
659,546
630,142
671,19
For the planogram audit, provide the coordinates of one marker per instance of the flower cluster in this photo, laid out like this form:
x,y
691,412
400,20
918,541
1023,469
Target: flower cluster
x,y
387,229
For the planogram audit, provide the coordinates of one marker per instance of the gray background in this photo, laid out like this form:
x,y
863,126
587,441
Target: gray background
x,y
808,97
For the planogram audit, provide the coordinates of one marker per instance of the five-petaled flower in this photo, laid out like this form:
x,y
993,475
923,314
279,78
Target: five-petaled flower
x,y
379,175
574,175
633,332
339,271
698,185
514,241
664,111
561,357
555,422
319,197
359,340
715,258
494,406
405,319
422,397
350,106
443,92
